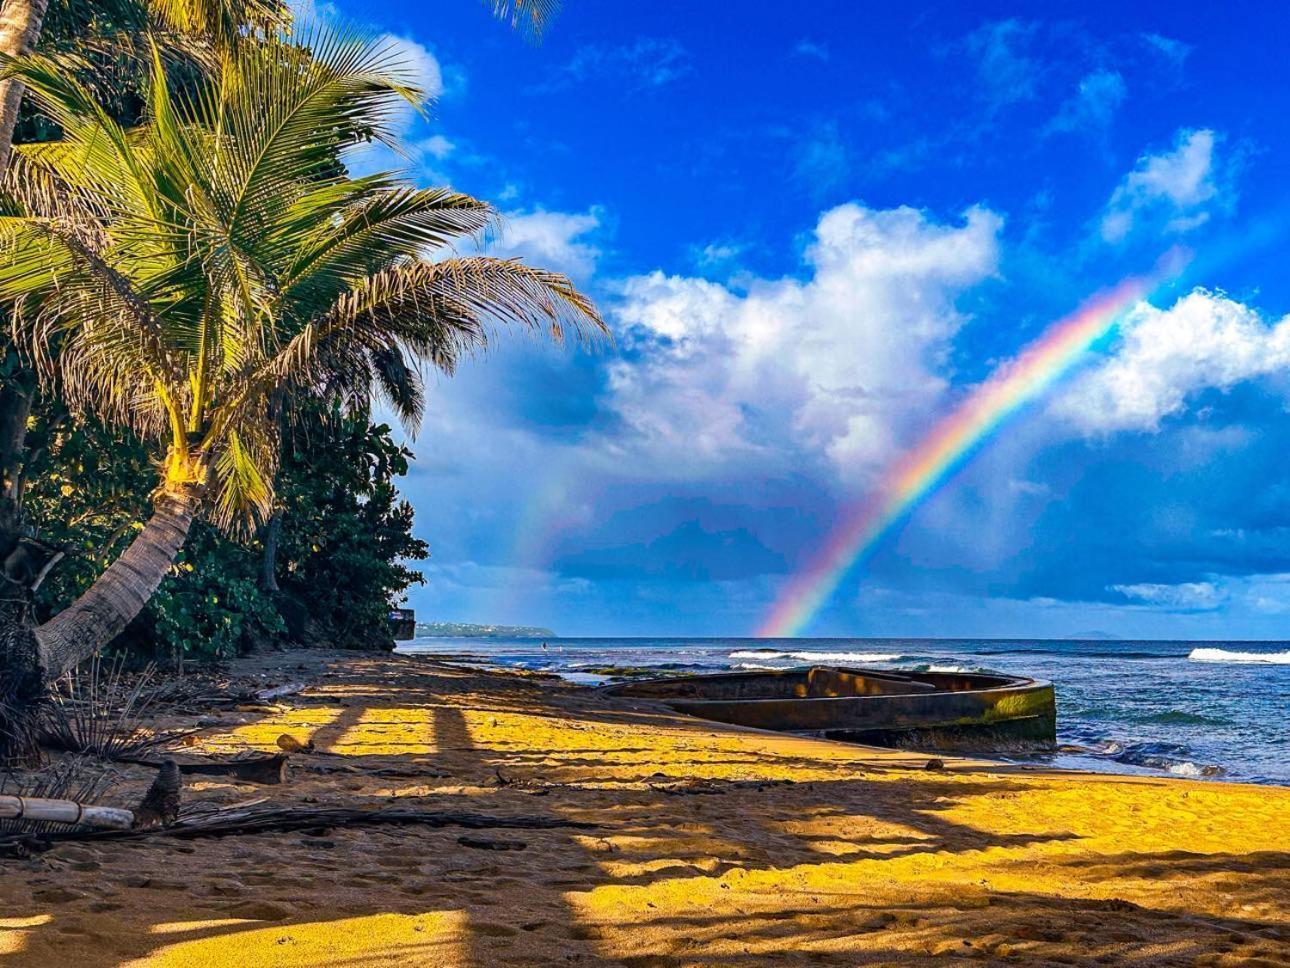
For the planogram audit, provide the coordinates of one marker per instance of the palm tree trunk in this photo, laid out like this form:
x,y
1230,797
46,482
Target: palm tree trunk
x,y
20,23
120,593
269,562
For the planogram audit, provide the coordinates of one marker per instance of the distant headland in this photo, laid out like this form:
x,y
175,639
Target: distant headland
x,y
466,630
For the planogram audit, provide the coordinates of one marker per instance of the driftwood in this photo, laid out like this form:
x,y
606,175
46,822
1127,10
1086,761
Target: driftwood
x,y
271,819
277,692
267,770
37,809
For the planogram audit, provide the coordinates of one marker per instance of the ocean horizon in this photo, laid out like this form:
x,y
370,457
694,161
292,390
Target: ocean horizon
x,y
1206,709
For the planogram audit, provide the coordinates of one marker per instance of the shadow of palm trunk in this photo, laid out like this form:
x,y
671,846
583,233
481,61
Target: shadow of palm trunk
x,y
502,906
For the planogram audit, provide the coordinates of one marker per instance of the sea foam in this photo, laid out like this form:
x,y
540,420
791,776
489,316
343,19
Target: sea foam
x,y
1222,655
764,654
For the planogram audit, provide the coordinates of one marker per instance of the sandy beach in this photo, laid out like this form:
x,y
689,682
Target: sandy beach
x,y
711,846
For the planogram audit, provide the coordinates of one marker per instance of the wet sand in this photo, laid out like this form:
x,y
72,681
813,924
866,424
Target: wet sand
x,y
713,846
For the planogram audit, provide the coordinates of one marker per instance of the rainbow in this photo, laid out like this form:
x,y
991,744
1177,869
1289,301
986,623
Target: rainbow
x,y
946,447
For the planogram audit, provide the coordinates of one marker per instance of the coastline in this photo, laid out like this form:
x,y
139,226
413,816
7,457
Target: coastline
x,y
1143,708
713,846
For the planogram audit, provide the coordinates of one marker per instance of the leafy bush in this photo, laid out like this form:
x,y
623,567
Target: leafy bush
x,y
345,537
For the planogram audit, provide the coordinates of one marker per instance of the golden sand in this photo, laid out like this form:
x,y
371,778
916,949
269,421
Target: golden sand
x,y
713,846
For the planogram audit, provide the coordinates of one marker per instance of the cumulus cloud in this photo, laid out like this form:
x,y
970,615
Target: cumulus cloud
x,y
1166,356
838,367
1174,186
552,240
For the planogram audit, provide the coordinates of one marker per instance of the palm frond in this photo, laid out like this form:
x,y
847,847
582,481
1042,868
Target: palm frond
x,y
242,473
529,16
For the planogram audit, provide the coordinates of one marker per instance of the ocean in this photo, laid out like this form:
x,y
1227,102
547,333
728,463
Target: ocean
x,y
1210,710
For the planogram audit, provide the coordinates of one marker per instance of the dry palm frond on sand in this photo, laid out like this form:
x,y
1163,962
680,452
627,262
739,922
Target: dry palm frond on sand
x,y
98,709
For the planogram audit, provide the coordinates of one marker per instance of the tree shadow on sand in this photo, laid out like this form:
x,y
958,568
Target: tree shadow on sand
x,y
710,849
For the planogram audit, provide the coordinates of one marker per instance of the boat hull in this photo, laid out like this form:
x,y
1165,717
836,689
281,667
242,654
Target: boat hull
x,y
940,710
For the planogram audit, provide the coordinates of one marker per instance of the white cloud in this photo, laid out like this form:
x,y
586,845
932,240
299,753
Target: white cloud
x,y
838,367
1094,103
1192,596
437,146
1174,186
1166,356
552,240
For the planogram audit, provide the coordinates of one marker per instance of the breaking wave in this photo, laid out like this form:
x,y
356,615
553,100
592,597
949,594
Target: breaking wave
x,y
764,654
1222,655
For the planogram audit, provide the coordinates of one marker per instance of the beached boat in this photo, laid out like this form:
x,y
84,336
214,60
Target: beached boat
x,y
920,709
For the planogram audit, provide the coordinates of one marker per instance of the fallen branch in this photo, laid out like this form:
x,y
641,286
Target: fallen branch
x,y
290,689
267,770
269,819
38,809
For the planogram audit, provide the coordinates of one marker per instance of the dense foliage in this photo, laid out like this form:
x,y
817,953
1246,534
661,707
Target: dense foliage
x,y
345,533
345,538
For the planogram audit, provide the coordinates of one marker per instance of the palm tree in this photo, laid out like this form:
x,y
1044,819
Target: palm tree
x,y
106,42
175,277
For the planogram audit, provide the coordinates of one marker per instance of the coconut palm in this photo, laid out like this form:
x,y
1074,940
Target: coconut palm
x,y
174,278
107,43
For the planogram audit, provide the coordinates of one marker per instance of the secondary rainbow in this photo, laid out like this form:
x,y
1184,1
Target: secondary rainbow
x,y
944,448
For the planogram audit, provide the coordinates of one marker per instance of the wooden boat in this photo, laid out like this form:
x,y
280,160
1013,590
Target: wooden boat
x,y
964,710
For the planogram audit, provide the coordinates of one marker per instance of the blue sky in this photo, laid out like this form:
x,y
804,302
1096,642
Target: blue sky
x,y
814,227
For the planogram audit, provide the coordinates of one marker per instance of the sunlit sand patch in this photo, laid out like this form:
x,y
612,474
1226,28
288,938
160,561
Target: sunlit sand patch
x,y
382,731
301,724
435,938
1106,813
35,920
613,754
187,927
13,936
